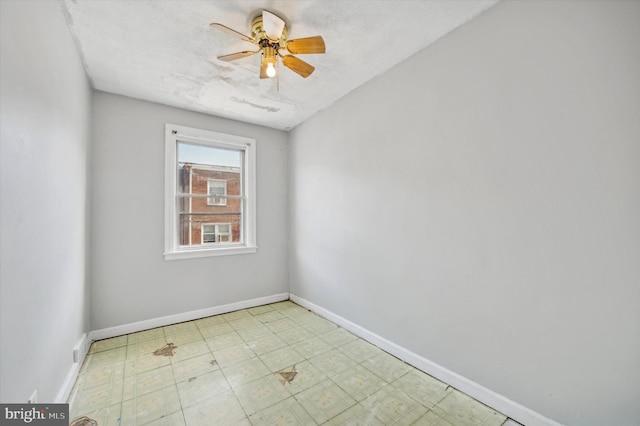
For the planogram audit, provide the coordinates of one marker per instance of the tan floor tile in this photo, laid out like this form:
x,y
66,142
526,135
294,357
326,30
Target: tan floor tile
x,y
199,388
233,354
260,394
312,347
387,366
304,317
173,419
100,359
320,326
284,305
224,341
295,335
194,367
142,363
359,382
209,321
270,316
324,401
143,336
245,371
231,316
150,407
97,398
107,344
423,388
190,350
220,410
287,412
281,358
267,344
260,310
101,374
281,324
413,415
245,322
360,350
147,382
429,419
216,330
145,347
462,410
338,337
254,332
390,404
356,416
332,363
181,338
292,310
182,327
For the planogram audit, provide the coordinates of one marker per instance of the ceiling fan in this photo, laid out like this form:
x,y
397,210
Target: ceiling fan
x,y
269,33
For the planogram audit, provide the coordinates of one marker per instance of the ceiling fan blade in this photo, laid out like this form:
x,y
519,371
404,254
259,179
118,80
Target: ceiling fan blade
x,y
238,55
273,25
232,32
298,66
306,45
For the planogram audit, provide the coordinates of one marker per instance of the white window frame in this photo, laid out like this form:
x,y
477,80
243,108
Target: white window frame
x,y
175,134
211,201
216,233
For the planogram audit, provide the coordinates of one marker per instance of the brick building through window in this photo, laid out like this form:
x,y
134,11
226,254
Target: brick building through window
x,y
215,216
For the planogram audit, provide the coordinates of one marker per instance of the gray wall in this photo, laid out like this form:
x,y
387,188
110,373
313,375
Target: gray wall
x,y
479,204
131,280
45,114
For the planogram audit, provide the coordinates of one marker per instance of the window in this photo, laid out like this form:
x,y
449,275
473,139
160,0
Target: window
x,y
216,233
217,188
209,193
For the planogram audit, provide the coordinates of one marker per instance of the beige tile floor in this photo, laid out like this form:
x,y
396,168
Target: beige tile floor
x,y
276,364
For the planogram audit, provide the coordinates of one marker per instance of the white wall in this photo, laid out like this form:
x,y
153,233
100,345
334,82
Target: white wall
x,y
479,204
131,280
45,129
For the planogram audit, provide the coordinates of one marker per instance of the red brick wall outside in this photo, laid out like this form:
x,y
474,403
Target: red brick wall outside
x,y
199,185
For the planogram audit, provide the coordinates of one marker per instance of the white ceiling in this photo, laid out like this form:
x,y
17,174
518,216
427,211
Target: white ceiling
x,y
165,51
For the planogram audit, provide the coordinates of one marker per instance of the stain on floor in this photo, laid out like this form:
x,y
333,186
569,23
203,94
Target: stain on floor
x,y
166,350
287,375
83,421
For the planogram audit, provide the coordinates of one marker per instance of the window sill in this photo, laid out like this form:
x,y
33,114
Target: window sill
x,y
218,251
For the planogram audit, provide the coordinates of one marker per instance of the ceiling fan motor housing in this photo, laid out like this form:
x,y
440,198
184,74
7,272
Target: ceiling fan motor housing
x,y
258,33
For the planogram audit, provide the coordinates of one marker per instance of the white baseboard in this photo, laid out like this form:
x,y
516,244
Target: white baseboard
x,y
506,406
65,390
134,327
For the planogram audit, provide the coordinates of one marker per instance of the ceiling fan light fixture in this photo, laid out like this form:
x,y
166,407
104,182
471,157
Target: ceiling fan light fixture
x,y
269,59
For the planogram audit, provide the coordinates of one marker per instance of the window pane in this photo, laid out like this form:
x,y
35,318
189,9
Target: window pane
x,y
205,170
207,155
199,222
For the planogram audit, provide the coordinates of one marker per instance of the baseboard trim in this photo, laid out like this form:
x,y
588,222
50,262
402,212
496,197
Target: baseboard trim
x,y
134,327
67,386
510,408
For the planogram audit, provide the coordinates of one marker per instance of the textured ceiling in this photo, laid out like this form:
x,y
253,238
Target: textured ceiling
x,y
165,51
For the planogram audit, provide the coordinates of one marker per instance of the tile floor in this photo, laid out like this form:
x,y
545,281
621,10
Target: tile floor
x,y
276,364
